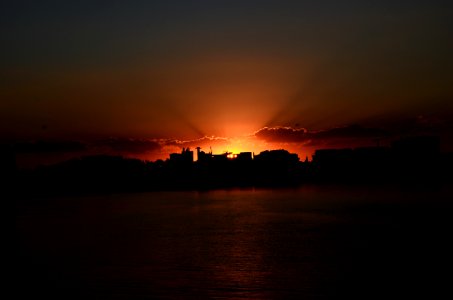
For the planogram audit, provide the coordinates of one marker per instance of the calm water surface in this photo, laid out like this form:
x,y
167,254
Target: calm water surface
x,y
309,243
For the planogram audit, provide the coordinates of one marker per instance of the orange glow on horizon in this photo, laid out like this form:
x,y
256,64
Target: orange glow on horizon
x,y
231,155
233,145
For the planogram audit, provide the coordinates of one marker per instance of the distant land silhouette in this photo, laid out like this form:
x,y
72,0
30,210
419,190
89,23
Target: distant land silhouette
x,y
409,160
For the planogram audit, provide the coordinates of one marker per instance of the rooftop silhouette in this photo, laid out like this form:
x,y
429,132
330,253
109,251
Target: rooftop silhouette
x,y
408,160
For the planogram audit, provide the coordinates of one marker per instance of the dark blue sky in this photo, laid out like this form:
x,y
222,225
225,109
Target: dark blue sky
x,y
94,32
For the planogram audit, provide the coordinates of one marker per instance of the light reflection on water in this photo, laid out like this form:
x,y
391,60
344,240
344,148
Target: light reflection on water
x,y
311,242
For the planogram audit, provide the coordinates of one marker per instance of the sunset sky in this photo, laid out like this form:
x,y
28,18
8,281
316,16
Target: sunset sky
x,y
146,78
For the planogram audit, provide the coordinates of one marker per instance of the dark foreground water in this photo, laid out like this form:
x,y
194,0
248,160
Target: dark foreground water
x,y
309,243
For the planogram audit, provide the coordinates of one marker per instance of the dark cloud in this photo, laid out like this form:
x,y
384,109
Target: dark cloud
x,y
420,125
201,142
129,146
350,131
49,147
383,129
302,135
282,134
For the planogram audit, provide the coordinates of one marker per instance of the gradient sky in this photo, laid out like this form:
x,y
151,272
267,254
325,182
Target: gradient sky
x,y
149,77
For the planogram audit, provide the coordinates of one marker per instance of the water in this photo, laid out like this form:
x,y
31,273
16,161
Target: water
x,y
308,243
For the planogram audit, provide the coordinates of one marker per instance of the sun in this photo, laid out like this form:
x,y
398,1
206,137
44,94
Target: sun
x,y
232,155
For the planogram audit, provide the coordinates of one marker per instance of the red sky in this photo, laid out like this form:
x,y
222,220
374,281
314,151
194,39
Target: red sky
x,y
144,79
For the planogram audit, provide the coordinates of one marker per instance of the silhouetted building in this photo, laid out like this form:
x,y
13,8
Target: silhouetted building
x,y
277,156
409,159
371,156
332,158
343,164
220,157
424,147
7,161
276,167
244,156
203,156
185,157
417,157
